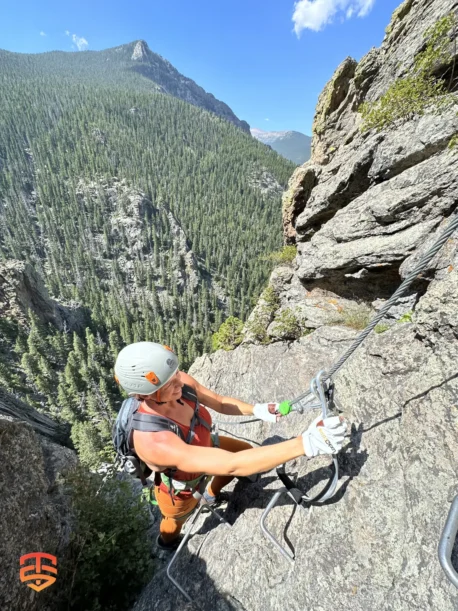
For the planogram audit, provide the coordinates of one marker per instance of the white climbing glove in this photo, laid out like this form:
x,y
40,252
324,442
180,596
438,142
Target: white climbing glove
x,y
324,436
267,411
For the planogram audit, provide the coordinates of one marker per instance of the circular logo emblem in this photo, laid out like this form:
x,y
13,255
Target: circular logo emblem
x,y
170,363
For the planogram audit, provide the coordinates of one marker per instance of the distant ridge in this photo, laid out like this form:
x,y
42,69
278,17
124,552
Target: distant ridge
x,y
294,146
132,64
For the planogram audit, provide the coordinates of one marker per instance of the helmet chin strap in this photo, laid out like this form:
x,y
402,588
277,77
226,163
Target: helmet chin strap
x,y
158,398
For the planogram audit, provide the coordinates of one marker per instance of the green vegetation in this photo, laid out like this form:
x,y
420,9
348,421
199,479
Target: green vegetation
x,y
98,172
453,142
357,316
381,328
257,327
407,317
287,324
109,549
269,302
286,255
229,335
421,89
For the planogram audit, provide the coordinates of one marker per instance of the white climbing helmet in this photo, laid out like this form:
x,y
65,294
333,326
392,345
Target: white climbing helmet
x,y
144,367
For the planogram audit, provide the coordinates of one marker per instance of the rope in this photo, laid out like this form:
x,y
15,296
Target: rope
x,y
418,269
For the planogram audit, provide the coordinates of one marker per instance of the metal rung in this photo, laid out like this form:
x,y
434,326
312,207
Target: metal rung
x,y
185,540
276,497
317,390
448,541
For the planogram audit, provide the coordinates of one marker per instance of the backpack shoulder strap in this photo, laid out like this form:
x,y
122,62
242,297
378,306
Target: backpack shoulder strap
x,y
149,423
190,394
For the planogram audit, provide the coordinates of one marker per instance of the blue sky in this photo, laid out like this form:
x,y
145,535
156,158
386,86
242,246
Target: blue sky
x,y
251,54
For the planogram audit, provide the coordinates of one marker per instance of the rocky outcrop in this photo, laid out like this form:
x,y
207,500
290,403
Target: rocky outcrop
x,y
187,275
128,207
264,182
35,515
379,207
367,201
23,290
13,409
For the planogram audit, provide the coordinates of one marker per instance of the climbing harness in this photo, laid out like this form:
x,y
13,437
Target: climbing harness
x,y
130,419
323,391
447,542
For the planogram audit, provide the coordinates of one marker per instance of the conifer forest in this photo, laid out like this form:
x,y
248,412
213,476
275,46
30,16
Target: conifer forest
x,y
147,218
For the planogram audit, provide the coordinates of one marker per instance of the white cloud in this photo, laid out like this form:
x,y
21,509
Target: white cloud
x,y
42,33
67,32
266,119
316,14
80,42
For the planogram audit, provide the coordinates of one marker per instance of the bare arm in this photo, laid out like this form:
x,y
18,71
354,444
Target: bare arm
x,y
169,451
221,404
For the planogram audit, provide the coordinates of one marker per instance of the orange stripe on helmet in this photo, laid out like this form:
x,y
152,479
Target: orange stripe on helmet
x,y
152,377
167,348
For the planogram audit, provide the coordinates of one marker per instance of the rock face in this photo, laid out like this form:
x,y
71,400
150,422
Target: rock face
x,y
12,409
22,289
127,207
373,545
362,212
366,201
34,513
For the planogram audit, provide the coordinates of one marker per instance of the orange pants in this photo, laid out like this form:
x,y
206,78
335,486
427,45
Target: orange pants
x,y
175,515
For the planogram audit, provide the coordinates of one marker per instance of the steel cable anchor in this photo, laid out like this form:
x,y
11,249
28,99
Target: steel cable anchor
x,y
323,390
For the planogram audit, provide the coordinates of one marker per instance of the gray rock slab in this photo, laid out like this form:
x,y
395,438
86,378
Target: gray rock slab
x,y
374,545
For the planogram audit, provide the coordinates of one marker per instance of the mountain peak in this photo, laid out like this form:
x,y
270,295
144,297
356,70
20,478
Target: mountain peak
x,y
140,50
293,145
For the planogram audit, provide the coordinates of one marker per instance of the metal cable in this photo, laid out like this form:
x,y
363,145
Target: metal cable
x,y
419,268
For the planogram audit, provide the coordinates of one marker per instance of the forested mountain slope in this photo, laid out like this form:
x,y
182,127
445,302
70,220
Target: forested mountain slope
x,y
132,65
145,210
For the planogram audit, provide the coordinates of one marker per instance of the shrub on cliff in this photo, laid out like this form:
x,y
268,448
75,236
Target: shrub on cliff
x,y
419,90
109,558
229,335
286,255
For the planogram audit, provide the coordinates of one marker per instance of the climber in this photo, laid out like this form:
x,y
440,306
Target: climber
x,y
149,372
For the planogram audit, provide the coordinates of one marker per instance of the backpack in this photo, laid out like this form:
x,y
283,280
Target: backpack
x,y
128,420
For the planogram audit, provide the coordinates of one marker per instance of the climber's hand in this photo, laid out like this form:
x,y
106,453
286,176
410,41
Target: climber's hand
x,y
269,412
324,436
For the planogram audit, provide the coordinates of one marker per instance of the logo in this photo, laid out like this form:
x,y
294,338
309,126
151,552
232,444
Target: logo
x,y
326,440
272,408
171,363
38,580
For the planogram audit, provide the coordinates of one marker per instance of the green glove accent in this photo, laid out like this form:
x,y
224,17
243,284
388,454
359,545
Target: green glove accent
x,y
285,408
